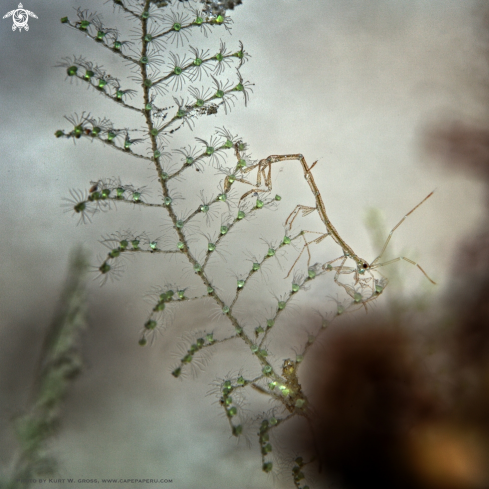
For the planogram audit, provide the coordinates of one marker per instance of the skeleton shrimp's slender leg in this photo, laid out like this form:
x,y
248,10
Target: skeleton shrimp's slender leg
x,y
305,211
405,259
374,264
260,174
306,246
227,183
342,270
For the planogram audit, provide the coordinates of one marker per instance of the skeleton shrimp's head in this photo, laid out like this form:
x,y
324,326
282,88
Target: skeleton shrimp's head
x,y
362,266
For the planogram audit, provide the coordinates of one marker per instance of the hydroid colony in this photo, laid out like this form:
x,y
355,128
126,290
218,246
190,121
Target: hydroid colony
x,y
170,86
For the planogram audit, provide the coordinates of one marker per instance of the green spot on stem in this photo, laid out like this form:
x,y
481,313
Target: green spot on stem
x,y
114,253
159,307
72,70
80,207
224,230
150,324
267,370
300,403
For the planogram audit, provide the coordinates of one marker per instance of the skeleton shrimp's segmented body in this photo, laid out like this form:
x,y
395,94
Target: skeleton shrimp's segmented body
x,y
363,276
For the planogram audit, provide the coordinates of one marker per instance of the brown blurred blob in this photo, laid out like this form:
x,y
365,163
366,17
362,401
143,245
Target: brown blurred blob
x,y
461,147
380,423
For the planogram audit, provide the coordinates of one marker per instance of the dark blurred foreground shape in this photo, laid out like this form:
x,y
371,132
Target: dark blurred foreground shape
x,y
382,421
383,418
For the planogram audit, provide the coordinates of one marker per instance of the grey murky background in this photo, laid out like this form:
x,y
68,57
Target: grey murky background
x,y
354,84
